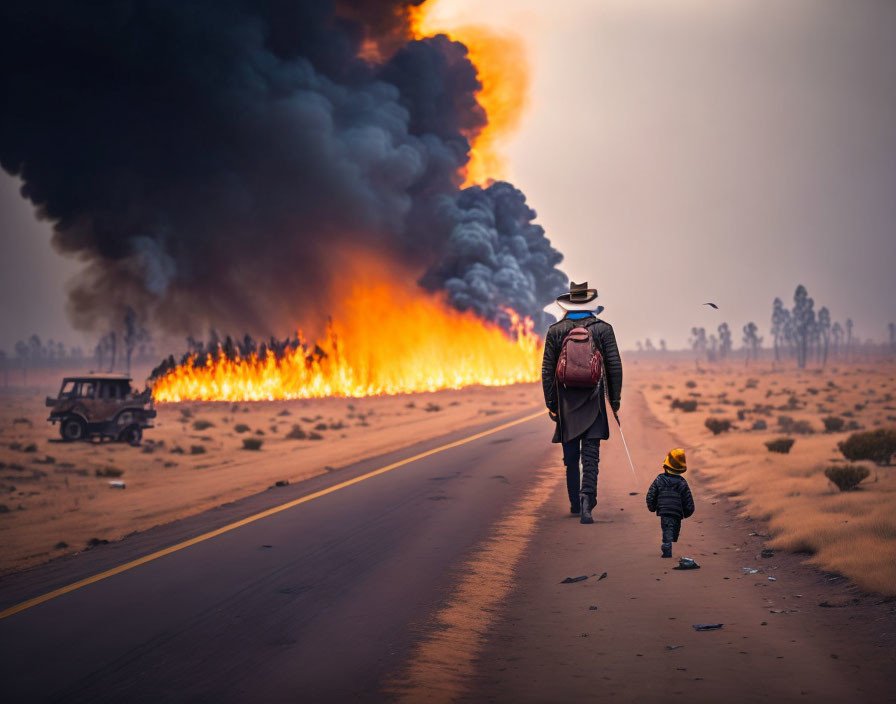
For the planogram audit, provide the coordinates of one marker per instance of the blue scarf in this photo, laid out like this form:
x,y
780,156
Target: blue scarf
x,y
579,315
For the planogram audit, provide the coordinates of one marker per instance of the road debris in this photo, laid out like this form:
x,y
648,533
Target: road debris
x,y
570,580
767,552
116,485
592,608
673,647
687,563
750,570
772,579
603,576
707,626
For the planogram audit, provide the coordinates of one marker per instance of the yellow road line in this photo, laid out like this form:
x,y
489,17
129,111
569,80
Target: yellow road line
x,y
251,519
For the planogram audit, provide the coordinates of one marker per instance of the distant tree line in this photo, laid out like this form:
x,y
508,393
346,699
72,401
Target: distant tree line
x,y
800,333
113,352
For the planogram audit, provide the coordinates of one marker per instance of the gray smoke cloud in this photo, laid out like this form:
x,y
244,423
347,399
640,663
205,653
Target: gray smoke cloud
x,y
496,256
209,160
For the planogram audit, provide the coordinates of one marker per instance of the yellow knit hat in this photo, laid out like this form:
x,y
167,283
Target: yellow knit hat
x,y
675,462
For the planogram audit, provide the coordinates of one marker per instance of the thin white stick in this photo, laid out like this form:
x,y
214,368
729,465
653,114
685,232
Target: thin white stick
x,y
625,445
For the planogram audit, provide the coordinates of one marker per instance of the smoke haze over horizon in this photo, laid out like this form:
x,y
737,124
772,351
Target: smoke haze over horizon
x,y
675,154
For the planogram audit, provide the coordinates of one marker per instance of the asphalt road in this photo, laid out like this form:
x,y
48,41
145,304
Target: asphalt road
x,y
320,602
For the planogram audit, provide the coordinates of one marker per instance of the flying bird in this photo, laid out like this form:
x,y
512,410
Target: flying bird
x,y
711,305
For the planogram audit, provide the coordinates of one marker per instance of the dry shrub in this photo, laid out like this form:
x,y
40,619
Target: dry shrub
x,y
833,424
202,425
241,428
785,423
846,476
875,445
751,383
197,449
718,425
252,443
315,436
687,406
802,427
760,425
691,384
781,445
432,407
186,412
296,433
109,472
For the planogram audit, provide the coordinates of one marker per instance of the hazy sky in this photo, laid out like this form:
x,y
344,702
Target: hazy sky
x,y
677,151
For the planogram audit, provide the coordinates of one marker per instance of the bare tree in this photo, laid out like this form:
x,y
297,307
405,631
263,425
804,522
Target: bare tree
x,y
823,329
134,334
780,320
837,335
698,343
752,342
712,351
662,345
804,319
724,340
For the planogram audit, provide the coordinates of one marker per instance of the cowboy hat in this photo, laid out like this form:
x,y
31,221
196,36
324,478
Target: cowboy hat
x,y
579,298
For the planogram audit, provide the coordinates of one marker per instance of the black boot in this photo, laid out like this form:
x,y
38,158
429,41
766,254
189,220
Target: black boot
x,y
574,507
667,550
585,509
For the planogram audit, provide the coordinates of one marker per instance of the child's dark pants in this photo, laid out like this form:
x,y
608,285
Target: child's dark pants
x,y
589,451
671,527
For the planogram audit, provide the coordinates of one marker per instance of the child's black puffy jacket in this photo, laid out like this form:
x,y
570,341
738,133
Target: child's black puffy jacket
x,y
670,495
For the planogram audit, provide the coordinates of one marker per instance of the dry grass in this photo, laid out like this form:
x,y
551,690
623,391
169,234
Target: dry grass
x,y
853,532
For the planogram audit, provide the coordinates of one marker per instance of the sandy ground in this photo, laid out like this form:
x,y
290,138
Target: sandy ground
x,y
55,497
790,633
852,533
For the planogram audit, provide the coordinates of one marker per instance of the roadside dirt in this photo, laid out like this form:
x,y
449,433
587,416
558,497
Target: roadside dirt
x,y
56,497
806,636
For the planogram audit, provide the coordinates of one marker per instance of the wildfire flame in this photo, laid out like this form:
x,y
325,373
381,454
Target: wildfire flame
x,y
500,62
387,338
384,342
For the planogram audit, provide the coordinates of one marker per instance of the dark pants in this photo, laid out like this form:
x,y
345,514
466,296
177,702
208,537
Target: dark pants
x,y
671,527
588,450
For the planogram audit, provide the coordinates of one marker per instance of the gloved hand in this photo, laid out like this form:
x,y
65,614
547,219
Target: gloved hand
x,y
554,416
615,406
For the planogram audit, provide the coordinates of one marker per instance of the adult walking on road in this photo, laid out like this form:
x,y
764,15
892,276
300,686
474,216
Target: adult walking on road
x,y
580,412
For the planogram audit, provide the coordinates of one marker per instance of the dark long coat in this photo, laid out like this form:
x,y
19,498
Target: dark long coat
x,y
583,412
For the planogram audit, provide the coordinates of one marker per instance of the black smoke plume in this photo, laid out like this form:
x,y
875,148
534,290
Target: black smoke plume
x,y
210,160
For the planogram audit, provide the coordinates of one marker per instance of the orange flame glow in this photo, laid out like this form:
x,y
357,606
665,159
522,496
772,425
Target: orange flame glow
x,y
386,341
501,66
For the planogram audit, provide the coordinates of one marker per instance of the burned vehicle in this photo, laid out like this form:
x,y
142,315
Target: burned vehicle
x,y
101,406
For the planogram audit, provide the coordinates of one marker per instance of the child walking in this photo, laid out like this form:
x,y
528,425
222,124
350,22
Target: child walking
x,y
670,498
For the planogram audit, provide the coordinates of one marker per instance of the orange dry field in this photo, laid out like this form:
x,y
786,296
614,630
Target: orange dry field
x,y
852,533
56,497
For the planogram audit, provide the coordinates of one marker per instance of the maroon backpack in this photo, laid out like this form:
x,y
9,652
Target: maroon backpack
x,y
580,363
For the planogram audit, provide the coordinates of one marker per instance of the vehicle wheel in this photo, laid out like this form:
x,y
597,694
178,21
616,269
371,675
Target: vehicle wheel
x,y
73,429
132,435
